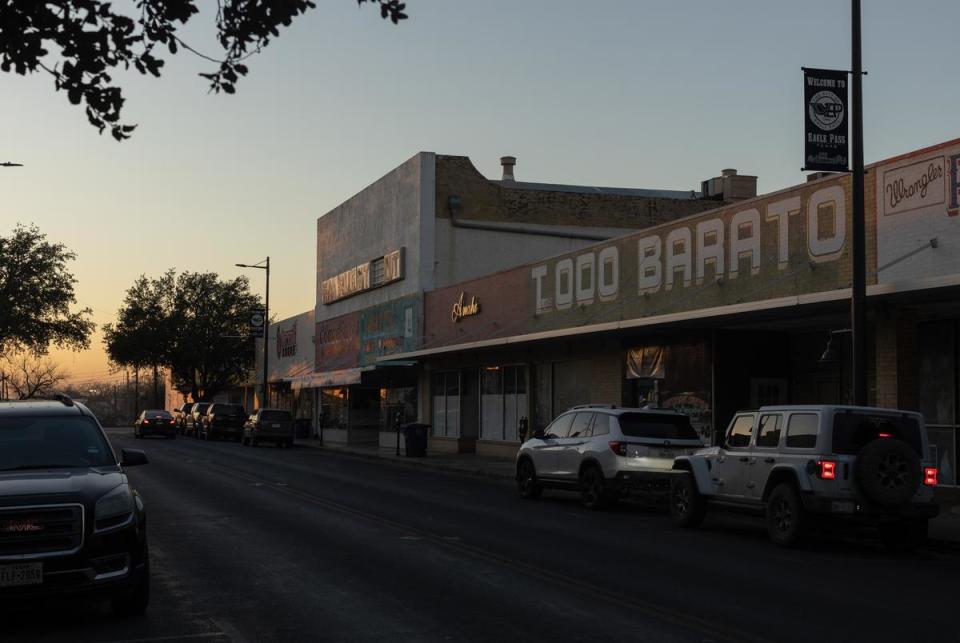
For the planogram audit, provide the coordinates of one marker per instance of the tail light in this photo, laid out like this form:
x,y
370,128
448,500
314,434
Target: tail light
x,y
930,476
620,448
171,421
828,470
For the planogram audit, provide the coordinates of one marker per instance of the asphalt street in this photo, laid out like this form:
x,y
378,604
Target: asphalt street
x,y
300,544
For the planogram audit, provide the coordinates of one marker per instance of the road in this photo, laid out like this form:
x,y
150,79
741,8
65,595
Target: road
x,y
300,544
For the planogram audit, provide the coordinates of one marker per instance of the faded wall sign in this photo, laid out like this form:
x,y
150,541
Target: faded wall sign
x,y
786,244
918,200
372,274
389,328
338,343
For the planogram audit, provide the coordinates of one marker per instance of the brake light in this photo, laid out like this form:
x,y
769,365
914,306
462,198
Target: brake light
x,y
170,421
828,470
886,435
620,448
930,476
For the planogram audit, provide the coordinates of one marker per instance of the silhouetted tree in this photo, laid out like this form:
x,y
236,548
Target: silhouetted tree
x,y
194,324
36,292
81,42
30,374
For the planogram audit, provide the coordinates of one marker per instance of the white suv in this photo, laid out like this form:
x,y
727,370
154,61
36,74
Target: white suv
x,y
606,452
853,465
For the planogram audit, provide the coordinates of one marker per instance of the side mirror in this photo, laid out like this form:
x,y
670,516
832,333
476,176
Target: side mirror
x,y
133,457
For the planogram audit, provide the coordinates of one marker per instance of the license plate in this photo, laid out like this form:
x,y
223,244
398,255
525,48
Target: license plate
x,y
21,574
275,426
842,507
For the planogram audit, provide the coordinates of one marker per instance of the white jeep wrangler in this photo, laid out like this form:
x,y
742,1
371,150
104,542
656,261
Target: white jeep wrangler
x,y
796,463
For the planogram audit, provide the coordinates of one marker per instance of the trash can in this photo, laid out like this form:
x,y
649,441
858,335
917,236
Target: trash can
x,y
301,427
415,440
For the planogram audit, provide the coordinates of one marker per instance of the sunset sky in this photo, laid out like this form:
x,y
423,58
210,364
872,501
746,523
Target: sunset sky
x,y
629,93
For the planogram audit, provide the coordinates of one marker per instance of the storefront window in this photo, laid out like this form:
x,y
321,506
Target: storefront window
x,y
937,355
446,404
504,401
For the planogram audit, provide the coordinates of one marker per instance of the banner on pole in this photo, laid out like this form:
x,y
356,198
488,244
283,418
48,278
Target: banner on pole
x,y
825,120
258,317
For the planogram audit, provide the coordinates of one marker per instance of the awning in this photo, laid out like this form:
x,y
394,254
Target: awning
x,y
329,378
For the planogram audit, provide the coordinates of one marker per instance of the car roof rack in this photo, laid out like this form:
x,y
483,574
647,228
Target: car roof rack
x,y
63,398
593,406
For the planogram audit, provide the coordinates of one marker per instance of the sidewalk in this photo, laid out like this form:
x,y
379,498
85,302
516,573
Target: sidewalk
x,y
944,529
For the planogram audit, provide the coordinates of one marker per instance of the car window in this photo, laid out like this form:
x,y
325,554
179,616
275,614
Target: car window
x,y
738,436
275,416
601,425
769,435
802,431
201,407
658,426
52,442
560,427
580,427
157,415
853,429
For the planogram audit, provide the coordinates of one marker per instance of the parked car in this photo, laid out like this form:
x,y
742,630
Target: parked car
x,y
605,453
70,521
180,416
272,425
223,421
797,464
194,419
155,422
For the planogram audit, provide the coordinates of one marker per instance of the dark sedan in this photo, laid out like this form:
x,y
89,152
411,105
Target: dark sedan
x,y
155,422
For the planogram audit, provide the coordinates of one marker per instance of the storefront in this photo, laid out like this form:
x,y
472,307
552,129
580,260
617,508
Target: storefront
x,y
737,307
290,358
431,222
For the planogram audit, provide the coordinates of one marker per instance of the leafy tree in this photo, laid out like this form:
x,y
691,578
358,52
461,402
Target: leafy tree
x,y
36,292
193,324
143,334
88,40
30,374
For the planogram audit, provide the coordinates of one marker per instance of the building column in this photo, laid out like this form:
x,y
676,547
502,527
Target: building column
x,y
896,358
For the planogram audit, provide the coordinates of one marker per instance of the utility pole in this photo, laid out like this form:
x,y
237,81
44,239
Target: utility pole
x,y
858,306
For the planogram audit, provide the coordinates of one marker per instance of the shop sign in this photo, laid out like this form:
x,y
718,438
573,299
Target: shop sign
x,y
287,342
367,276
825,120
918,230
338,343
702,261
463,308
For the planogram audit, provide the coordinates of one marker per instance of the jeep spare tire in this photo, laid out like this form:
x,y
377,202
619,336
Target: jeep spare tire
x,y
888,472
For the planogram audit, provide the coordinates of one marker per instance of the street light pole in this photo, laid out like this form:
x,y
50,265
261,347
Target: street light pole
x,y
859,291
264,265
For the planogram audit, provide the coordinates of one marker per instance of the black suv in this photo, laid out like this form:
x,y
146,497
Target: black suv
x,y
70,522
222,421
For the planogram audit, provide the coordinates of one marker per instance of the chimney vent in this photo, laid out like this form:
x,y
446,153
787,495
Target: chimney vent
x,y
508,162
729,186
728,172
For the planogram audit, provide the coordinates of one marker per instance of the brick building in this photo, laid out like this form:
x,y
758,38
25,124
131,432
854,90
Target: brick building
x,y
432,222
723,309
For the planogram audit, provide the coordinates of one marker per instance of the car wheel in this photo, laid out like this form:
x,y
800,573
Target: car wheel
x,y
134,600
687,506
527,480
904,536
786,518
593,489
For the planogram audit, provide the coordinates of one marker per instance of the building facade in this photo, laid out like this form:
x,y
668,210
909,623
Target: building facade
x,y
724,309
432,222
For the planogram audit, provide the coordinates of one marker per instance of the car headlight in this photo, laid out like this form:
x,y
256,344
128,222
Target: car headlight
x,y
116,503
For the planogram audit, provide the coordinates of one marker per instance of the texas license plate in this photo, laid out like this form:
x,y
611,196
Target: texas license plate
x,y
275,426
21,574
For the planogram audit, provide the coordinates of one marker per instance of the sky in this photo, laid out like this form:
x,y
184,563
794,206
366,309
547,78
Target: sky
x,y
626,93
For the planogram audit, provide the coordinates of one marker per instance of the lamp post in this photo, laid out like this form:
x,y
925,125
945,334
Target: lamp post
x,y
264,265
858,313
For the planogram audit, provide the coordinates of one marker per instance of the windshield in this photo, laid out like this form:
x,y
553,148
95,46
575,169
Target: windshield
x,y
229,409
275,416
52,442
201,407
658,426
